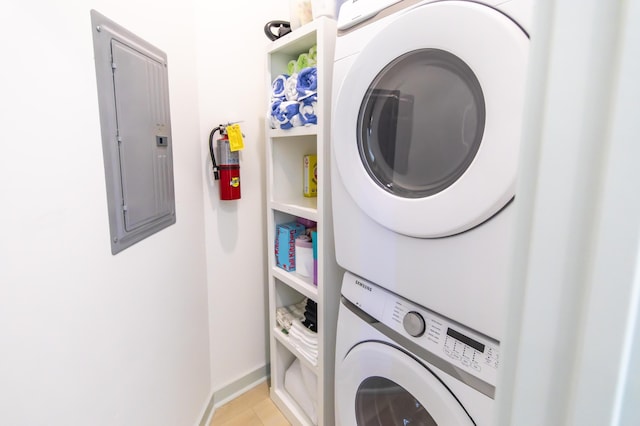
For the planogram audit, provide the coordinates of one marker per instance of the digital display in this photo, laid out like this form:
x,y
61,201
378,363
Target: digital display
x,y
466,340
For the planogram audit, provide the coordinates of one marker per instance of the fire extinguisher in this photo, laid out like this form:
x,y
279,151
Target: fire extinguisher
x,y
228,169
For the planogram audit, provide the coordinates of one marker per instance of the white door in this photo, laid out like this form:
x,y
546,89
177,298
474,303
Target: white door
x,y
378,384
427,119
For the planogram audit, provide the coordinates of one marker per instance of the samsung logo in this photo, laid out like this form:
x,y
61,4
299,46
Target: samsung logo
x,y
363,285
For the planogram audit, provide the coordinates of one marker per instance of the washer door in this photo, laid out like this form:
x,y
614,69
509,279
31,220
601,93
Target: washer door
x,y
427,119
377,384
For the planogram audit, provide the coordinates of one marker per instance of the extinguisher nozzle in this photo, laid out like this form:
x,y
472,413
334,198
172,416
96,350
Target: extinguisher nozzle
x,y
216,174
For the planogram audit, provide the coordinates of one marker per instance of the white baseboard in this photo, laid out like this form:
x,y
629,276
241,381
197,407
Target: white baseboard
x,y
232,391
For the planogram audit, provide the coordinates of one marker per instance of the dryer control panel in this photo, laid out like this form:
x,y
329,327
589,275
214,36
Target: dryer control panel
x,y
455,343
353,12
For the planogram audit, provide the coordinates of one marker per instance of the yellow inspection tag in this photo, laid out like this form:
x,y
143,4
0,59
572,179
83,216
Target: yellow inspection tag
x,y
235,137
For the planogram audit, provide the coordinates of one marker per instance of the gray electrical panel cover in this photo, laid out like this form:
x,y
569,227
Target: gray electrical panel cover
x,y
133,98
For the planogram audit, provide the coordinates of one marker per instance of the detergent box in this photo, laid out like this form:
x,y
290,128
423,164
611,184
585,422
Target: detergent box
x,y
285,244
310,175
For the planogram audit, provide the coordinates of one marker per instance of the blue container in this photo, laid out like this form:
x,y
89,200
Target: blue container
x,y
285,244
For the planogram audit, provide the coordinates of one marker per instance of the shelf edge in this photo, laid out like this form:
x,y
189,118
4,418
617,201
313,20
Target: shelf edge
x,y
284,339
296,282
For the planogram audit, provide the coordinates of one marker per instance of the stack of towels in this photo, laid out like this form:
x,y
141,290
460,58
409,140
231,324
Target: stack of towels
x,y
294,95
299,321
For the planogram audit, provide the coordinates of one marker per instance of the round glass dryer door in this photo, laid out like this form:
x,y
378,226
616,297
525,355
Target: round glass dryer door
x,y
420,123
393,389
426,123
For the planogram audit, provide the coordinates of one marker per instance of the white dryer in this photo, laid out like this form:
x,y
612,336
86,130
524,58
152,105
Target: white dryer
x,y
400,364
427,111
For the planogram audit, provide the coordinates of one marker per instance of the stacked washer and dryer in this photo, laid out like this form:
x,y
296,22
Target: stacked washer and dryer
x,y
427,110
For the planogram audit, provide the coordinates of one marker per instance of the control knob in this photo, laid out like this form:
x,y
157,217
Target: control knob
x,y
414,324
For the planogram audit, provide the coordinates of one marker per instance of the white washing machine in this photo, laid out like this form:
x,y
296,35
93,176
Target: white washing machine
x,y
427,111
400,364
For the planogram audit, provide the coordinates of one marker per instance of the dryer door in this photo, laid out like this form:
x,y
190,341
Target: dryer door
x,y
427,119
378,384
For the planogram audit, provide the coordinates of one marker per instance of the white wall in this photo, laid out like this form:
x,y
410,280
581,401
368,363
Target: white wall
x,y
87,338
231,69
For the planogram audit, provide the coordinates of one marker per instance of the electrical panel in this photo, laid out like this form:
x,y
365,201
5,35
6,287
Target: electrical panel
x,y
133,98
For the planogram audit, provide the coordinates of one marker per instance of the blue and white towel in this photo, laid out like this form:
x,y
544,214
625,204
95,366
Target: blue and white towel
x,y
307,82
278,86
291,88
287,115
308,110
293,99
274,113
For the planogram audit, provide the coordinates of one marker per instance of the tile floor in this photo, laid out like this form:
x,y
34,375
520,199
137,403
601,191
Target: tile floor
x,y
252,408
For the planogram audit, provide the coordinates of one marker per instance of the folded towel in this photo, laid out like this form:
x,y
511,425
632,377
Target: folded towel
x,y
298,308
308,326
287,115
311,357
291,111
308,110
296,340
300,340
306,335
313,53
307,82
287,315
278,85
291,88
292,67
309,351
310,354
273,113
302,329
304,61
284,319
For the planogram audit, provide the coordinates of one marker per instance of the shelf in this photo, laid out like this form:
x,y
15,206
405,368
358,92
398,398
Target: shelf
x,y
279,394
302,285
285,151
297,41
305,208
294,131
287,404
287,159
284,339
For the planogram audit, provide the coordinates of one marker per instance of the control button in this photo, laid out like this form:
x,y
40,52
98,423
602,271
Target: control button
x,y
414,324
465,361
476,366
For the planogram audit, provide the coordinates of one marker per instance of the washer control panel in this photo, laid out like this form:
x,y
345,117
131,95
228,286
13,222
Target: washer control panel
x,y
459,345
414,323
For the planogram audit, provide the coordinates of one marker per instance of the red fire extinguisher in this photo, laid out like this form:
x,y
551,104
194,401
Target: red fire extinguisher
x,y
227,171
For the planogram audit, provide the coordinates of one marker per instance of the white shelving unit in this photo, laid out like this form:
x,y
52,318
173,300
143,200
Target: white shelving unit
x,y
285,202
